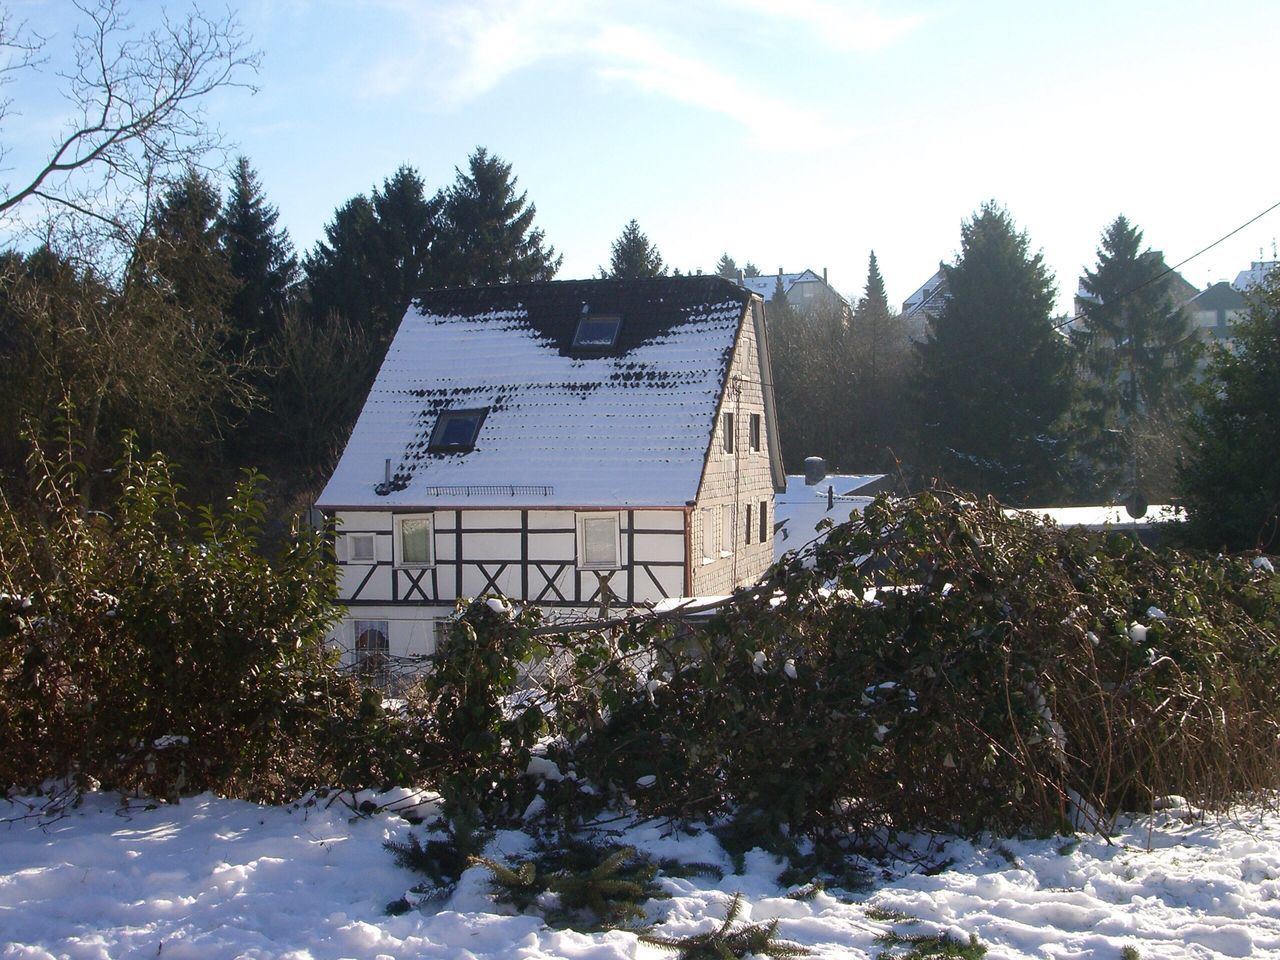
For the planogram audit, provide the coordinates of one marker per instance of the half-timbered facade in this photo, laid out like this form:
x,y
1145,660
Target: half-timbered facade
x,y
575,445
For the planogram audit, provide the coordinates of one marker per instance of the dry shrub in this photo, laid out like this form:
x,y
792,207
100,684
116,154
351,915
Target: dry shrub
x,y
936,664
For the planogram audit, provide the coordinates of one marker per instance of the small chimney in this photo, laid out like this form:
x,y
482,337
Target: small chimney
x,y
831,497
742,279
815,469
386,471
824,275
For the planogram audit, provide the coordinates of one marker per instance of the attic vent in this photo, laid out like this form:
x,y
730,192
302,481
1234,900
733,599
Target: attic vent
x,y
596,332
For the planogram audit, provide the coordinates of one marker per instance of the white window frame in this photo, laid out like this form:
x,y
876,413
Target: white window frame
x,y
398,541
367,538
710,534
581,519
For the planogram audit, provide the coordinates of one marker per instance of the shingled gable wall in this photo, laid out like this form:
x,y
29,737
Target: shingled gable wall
x,y
735,481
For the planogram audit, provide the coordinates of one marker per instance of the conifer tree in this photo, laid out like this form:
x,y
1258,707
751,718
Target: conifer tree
x,y
1230,477
1138,352
750,270
377,253
488,234
727,267
260,257
877,359
182,250
993,385
634,257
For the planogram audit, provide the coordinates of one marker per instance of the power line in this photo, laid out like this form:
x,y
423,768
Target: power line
x,y
1177,266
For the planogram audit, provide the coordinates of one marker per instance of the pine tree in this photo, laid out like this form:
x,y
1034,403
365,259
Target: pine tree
x,y
488,234
993,371
260,257
1138,352
726,267
634,257
1230,478
878,355
751,270
182,251
377,253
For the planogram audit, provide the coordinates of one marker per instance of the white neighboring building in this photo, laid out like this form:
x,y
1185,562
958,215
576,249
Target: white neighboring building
x,y
565,444
802,290
808,501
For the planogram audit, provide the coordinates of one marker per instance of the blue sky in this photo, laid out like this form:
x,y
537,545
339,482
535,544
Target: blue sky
x,y
794,133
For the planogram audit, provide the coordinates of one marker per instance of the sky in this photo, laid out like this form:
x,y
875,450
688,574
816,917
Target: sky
x,y
791,133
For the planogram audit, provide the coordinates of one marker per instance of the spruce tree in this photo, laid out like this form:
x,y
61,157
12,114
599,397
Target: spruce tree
x,y
634,257
1230,477
993,384
182,249
488,234
877,359
750,270
727,267
260,257
1138,353
377,253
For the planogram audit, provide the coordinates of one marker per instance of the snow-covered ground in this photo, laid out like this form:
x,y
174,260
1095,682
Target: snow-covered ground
x,y
212,878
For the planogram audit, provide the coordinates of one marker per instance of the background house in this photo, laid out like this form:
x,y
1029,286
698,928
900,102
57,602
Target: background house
x,y
803,290
569,444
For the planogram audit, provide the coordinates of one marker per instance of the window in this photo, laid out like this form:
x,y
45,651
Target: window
x,y
727,431
599,543
729,514
764,520
455,430
596,333
710,535
755,433
415,545
748,537
361,548
372,650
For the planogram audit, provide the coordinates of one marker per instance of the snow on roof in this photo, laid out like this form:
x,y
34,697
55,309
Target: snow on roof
x,y
1256,273
1097,517
626,426
799,509
766,285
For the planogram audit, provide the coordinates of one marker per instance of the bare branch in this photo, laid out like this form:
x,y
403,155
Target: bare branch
x,y
138,101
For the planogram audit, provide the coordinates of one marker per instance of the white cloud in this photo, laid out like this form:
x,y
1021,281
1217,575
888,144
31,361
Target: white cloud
x,y
461,51
848,26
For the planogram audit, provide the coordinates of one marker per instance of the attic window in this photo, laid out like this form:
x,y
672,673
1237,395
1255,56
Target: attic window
x,y
456,430
596,332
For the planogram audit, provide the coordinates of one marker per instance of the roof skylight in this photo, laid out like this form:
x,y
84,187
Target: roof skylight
x,y
456,430
597,332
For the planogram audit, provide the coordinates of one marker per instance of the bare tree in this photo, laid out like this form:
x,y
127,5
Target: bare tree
x,y
137,109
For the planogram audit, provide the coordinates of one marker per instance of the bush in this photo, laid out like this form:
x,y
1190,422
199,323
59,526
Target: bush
x,y
938,665
157,649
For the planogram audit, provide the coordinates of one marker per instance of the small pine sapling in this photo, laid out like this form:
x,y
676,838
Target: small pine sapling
x,y
726,943
919,946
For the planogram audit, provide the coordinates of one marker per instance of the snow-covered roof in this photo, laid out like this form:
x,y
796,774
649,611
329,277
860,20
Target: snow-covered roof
x,y
1099,517
1256,273
626,426
929,297
766,285
799,509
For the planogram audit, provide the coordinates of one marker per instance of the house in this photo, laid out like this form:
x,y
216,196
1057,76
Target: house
x,y
816,495
571,444
925,305
803,290
1215,309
